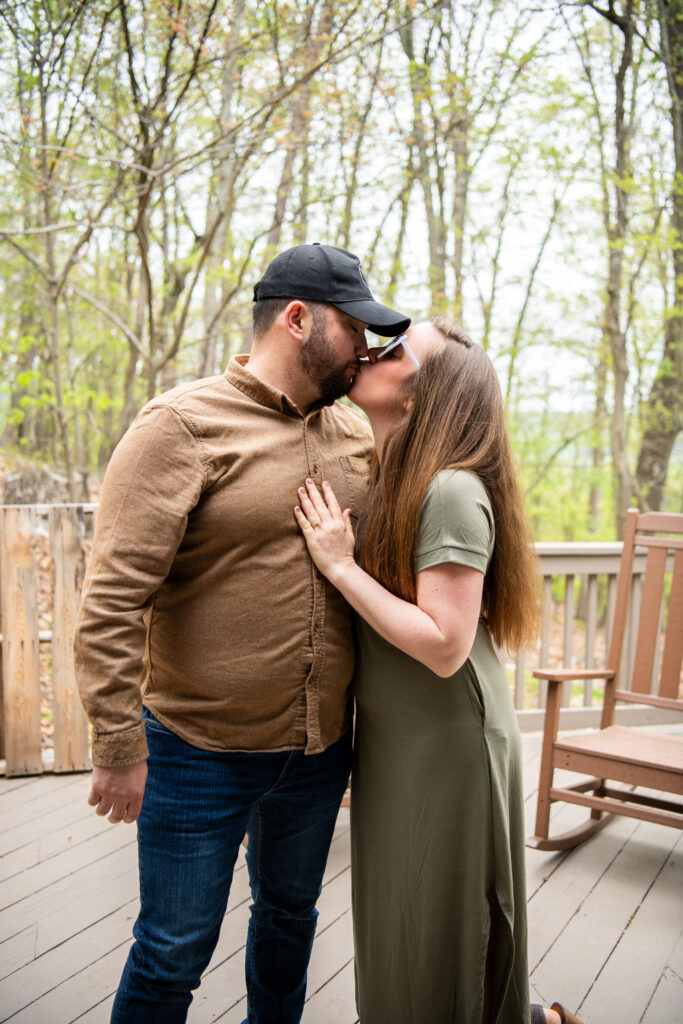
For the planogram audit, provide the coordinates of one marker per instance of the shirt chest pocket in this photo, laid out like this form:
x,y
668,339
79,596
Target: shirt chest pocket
x,y
355,480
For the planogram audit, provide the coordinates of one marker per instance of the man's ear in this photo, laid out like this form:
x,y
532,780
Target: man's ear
x,y
295,314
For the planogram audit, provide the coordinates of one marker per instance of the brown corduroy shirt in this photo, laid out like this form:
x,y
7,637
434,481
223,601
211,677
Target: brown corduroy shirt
x,y
200,597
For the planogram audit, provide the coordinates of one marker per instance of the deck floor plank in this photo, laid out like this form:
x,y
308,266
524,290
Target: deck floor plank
x,y
67,960
605,919
73,997
45,822
620,993
15,953
553,905
74,902
667,1001
675,961
334,1002
46,872
12,864
19,792
588,938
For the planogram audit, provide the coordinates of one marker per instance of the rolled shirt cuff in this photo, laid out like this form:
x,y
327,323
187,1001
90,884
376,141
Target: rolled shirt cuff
x,y
118,749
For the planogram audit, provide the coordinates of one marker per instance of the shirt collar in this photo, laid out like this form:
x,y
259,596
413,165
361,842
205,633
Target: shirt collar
x,y
237,373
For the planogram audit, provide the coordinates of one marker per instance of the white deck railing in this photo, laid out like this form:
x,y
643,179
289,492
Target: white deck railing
x,y
42,555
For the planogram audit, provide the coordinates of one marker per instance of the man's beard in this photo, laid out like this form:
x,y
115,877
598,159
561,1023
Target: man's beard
x,y
319,364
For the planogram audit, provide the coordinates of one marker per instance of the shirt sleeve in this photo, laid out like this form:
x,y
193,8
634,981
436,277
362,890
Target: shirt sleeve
x,y
153,481
456,522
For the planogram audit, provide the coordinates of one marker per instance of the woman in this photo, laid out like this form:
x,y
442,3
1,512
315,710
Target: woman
x,y
445,566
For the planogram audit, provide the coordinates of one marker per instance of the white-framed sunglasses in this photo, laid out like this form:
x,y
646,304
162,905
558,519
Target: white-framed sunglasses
x,y
374,354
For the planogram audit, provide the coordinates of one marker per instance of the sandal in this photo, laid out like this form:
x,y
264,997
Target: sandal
x,y
538,1014
565,1016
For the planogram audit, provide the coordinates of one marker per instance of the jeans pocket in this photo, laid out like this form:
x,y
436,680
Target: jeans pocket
x,y
153,723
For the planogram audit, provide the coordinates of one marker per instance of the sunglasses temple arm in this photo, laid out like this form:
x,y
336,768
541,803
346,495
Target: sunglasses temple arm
x,y
414,359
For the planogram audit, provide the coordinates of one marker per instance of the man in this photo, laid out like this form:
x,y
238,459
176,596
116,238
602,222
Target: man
x,y
202,613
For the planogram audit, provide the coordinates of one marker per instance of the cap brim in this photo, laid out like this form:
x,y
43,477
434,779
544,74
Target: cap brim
x,y
380,319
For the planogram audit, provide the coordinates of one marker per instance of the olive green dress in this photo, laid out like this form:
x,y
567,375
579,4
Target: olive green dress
x,y
437,811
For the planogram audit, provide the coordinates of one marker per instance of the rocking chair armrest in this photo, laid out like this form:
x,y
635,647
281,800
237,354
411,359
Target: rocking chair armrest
x,y
562,675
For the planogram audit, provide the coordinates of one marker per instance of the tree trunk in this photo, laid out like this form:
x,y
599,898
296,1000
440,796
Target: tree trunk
x,y
352,184
598,448
616,233
225,180
298,130
52,296
617,345
462,179
19,425
662,418
665,402
419,85
516,343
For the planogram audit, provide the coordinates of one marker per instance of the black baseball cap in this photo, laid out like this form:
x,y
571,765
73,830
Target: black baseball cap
x,y
323,273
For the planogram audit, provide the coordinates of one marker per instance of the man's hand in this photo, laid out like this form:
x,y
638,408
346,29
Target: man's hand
x,y
119,790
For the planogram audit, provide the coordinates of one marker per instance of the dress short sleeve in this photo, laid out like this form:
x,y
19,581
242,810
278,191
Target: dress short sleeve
x,y
456,522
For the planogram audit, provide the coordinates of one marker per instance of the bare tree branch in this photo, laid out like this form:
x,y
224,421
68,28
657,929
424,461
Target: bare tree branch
x,y
7,237
118,321
547,465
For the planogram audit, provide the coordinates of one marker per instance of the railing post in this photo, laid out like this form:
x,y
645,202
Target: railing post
x,y
71,724
568,644
20,657
2,698
591,630
546,611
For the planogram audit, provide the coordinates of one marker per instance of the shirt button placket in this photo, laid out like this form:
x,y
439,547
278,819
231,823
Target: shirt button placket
x,y
314,466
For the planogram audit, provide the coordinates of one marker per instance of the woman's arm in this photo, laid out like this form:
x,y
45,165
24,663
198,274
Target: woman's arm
x,y
438,631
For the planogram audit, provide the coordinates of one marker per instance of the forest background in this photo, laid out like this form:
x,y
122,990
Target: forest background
x,y
519,165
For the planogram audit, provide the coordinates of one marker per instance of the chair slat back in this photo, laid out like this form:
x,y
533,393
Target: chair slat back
x,y
653,623
623,598
662,522
648,623
672,657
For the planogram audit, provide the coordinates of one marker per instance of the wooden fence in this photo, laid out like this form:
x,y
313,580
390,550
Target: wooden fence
x,y
42,560
25,532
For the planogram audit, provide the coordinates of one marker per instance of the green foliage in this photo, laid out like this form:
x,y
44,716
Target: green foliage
x,y
151,163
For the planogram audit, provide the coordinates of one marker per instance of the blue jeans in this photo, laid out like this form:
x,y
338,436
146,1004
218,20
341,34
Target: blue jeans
x,y
197,807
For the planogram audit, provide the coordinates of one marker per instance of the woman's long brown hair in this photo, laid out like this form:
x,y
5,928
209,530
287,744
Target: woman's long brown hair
x,y
456,420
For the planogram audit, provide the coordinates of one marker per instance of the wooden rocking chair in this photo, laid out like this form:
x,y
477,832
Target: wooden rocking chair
x,y
625,754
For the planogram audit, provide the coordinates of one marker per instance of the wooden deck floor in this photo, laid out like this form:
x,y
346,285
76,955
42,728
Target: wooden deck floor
x,y
605,920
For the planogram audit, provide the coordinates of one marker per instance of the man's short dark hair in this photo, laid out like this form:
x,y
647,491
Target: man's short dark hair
x,y
266,311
